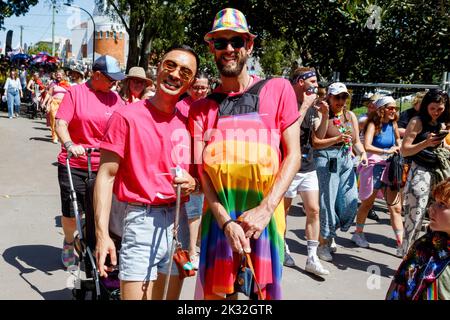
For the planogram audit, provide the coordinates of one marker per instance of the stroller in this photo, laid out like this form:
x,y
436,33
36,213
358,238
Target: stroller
x,y
89,282
35,109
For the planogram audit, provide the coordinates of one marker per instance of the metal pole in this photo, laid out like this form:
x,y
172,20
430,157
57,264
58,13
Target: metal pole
x,y
21,31
53,28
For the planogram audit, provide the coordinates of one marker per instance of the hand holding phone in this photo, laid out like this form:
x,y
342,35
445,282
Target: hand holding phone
x,y
441,135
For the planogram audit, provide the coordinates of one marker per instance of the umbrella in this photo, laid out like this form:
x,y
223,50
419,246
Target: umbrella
x,y
20,56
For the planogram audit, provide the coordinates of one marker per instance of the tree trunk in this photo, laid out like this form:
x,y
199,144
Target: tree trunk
x,y
145,47
133,48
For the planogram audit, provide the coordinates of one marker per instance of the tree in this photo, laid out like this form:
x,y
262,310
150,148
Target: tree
x,y
407,41
39,47
14,7
150,24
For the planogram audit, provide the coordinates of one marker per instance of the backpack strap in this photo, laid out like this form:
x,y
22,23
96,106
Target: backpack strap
x,y
243,103
254,89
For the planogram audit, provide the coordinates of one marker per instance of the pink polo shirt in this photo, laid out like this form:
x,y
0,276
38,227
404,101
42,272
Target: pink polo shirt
x,y
150,144
87,112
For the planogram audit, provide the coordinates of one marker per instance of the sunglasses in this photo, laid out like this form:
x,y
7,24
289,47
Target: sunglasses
x,y
199,88
222,43
341,96
391,108
186,74
108,77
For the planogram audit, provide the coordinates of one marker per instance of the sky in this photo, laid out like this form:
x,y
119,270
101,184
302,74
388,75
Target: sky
x,y
37,22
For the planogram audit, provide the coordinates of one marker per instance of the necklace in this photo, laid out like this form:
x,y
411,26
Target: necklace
x,y
343,129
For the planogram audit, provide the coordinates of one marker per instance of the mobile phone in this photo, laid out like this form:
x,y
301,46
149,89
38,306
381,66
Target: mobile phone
x,y
442,134
332,165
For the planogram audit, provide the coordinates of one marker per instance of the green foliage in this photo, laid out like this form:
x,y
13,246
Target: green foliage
x,y
406,42
39,47
14,7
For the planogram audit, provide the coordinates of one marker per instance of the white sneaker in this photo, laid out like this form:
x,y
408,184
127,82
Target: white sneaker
x,y
332,244
314,266
323,252
360,240
399,252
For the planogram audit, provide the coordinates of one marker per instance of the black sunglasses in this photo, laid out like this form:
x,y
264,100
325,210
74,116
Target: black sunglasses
x,y
222,43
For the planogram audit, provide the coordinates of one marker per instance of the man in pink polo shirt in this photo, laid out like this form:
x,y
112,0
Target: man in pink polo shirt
x,y
144,142
80,123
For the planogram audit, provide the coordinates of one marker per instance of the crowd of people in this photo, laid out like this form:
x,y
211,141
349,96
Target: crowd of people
x,y
245,149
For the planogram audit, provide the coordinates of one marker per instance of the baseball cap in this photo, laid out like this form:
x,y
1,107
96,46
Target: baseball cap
x,y
229,19
109,66
337,88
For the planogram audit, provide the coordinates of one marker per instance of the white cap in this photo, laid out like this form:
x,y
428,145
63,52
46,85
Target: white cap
x,y
384,101
337,88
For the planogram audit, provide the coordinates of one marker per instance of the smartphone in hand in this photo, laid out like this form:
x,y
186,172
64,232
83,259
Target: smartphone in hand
x,y
441,135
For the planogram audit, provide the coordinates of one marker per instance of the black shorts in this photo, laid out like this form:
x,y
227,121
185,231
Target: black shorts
x,y
79,178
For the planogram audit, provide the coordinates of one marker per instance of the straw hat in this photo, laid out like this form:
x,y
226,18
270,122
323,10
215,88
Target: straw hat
x,y
139,73
229,19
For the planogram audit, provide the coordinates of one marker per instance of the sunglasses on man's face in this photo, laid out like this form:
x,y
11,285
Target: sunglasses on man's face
x,y
186,74
236,42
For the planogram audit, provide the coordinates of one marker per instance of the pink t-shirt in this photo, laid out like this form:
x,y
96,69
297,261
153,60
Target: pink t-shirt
x,y
150,144
277,107
184,105
87,112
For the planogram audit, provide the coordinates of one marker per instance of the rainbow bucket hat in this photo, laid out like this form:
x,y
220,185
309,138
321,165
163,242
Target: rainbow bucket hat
x,y
229,19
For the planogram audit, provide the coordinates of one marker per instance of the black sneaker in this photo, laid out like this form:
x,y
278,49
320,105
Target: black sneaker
x,y
373,215
288,260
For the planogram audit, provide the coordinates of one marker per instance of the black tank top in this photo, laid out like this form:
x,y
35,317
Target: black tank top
x,y
426,157
426,129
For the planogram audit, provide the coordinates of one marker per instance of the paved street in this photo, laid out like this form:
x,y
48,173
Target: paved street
x,y
31,233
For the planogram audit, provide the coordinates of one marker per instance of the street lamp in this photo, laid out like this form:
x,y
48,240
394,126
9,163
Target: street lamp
x,y
93,23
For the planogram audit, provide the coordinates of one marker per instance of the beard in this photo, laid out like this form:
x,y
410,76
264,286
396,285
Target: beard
x,y
232,71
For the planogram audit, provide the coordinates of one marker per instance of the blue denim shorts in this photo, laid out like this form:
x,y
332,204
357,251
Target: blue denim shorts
x,y
377,174
147,241
194,206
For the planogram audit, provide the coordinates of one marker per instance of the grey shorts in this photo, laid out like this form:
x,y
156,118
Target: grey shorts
x,y
147,240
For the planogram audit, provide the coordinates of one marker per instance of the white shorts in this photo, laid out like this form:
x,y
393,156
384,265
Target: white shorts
x,y
303,182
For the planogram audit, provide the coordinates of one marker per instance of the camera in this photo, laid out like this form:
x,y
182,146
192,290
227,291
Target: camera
x,y
312,90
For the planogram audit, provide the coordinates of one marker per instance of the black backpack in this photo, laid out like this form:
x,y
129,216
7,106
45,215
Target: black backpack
x,y
247,102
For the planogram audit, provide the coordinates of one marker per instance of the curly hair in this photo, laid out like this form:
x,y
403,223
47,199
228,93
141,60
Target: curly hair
x,y
375,118
442,191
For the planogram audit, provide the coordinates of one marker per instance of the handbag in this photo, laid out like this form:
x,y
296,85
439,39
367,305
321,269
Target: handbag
x,y
246,279
183,262
394,177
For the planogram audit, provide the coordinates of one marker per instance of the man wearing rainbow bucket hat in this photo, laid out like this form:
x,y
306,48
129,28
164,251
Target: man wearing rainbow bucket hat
x,y
243,174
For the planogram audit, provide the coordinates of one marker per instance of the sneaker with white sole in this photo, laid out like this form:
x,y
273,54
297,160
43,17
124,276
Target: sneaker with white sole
x,y
323,252
313,265
68,257
332,245
399,252
360,240
288,260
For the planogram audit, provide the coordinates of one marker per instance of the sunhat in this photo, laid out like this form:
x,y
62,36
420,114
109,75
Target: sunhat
x,y
229,19
139,73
